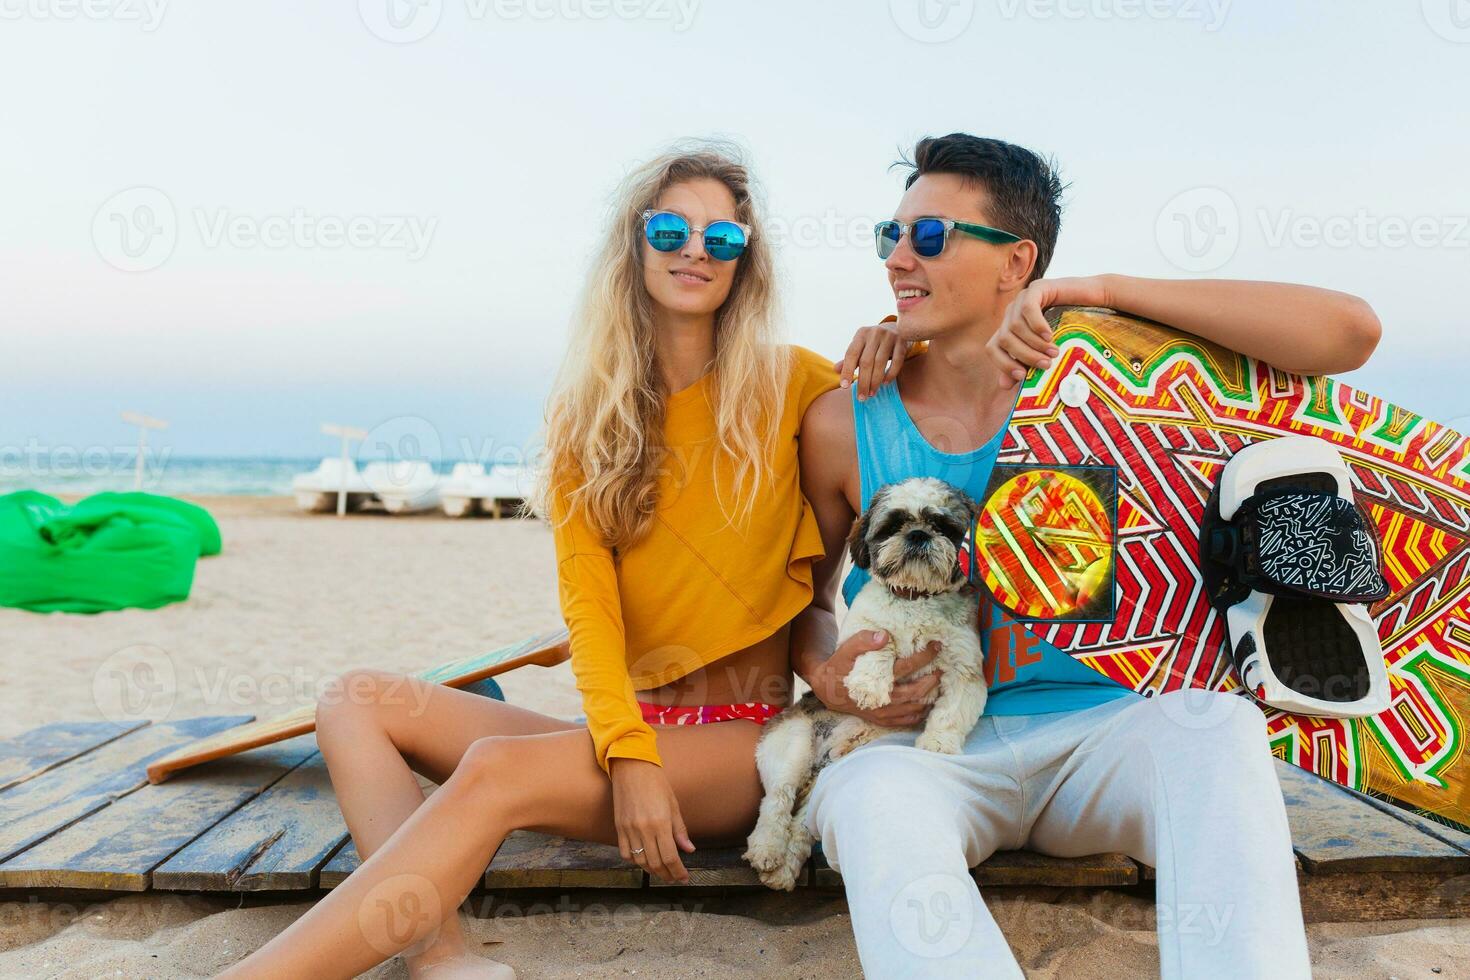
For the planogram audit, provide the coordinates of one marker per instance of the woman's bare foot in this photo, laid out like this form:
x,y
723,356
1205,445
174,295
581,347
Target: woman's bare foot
x,y
456,964
465,966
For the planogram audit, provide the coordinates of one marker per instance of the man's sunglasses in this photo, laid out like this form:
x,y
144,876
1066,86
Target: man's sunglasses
x,y
928,236
667,232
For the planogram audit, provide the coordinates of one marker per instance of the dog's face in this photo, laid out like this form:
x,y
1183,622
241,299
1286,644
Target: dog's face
x,y
910,535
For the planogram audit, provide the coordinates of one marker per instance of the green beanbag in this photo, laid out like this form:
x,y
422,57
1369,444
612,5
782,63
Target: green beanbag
x,y
108,551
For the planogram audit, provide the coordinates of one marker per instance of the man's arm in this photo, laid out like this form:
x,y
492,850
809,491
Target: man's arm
x,y
1301,329
828,456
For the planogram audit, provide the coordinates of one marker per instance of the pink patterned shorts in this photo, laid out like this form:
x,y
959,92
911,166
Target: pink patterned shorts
x,y
703,714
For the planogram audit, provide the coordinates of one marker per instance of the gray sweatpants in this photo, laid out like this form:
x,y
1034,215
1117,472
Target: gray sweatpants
x,y
1183,782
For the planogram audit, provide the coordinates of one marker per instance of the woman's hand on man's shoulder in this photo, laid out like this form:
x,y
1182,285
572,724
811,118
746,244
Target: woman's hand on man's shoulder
x,y
875,356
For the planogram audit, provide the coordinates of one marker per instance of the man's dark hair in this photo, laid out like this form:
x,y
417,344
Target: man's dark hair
x,y
1023,187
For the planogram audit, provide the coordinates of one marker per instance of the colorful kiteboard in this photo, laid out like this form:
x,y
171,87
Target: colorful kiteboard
x,y
1116,581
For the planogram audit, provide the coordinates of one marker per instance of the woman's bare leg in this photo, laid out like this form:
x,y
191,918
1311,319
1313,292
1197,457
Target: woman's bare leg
x,y
375,729
399,895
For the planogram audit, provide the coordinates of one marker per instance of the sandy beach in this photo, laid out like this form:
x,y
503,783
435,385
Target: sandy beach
x,y
295,599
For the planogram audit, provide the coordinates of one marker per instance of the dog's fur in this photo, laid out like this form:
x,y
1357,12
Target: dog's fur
x,y
909,539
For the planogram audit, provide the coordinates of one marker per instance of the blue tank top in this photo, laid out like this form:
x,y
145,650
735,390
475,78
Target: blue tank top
x,y
1026,675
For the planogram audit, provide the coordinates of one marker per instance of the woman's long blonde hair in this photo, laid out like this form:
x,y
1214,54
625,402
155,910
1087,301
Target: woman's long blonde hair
x,y
604,436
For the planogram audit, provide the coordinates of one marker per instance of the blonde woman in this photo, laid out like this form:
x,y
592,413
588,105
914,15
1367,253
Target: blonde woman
x,y
684,550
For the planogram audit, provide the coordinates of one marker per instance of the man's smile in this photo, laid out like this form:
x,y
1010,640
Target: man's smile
x,y
909,296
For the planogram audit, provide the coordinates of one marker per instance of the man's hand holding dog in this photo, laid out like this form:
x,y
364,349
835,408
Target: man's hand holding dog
x,y
906,709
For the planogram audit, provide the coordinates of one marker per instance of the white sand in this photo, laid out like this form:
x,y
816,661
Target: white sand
x,y
296,599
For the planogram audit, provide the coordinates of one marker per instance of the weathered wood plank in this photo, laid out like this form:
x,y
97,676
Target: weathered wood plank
x,y
339,866
536,861
1377,897
46,803
1334,832
1030,868
1457,839
531,860
527,860
717,867
41,749
1147,872
276,842
116,847
83,816
1025,868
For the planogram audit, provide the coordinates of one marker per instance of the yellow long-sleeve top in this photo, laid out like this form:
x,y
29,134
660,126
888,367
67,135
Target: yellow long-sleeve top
x,y
695,588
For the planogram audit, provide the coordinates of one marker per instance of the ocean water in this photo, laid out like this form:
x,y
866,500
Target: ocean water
x,y
162,473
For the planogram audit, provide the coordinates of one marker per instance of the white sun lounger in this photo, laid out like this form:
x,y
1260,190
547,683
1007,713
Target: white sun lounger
x,y
470,490
403,486
317,491
459,496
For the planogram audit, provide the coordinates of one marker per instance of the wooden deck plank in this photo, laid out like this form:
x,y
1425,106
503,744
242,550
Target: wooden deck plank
x,y
1376,897
275,842
1147,872
1030,868
116,847
1334,831
717,867
1025,868
82,815
531,860
339,866
527,860
1457,839
46,803
41,749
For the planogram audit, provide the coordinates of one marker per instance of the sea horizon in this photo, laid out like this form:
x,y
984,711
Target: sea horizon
x,y
172,474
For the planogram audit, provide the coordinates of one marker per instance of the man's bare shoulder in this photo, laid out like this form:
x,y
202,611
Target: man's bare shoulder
x,y
828,446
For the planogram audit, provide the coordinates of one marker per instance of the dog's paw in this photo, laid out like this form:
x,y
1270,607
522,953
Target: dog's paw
x,y
765,856
945,743
782,879
869,684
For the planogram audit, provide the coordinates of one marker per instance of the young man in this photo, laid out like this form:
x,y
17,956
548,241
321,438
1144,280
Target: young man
x,y
1064,761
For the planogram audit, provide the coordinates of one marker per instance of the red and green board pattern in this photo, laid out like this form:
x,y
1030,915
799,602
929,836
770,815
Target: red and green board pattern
x,y
1168,410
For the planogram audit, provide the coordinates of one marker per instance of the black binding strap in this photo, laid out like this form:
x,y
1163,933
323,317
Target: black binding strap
x,y
1286,541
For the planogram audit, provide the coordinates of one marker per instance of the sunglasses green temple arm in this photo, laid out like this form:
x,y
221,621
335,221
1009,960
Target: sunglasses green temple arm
x,y
993,235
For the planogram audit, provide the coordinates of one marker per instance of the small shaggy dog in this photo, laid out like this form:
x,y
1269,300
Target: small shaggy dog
x,y
909,538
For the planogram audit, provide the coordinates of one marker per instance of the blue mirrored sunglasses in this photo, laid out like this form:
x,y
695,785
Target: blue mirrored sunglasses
x,y
667,232
928,236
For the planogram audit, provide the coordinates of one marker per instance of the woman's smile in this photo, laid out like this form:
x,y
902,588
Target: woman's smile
x,y
691,276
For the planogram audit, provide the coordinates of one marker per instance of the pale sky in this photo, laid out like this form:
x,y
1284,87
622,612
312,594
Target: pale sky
x,y
366,211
